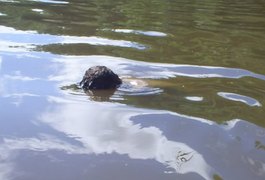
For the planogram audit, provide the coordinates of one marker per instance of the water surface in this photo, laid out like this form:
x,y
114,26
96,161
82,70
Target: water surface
x,y
192,108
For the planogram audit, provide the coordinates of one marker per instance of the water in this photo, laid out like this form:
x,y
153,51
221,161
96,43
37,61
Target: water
x,y
192,106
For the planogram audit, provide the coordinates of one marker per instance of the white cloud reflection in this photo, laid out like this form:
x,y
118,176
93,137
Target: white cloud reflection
x,y
6,170
13,40
20,78
9,83
104,129
1,60
240,98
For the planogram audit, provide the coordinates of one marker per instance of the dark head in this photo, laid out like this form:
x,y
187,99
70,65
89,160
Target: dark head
x,y
100,77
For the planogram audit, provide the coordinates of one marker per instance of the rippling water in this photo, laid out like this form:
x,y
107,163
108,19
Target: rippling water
x,y
191,106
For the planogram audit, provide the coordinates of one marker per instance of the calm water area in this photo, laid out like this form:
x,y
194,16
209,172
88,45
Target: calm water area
x,y
191,106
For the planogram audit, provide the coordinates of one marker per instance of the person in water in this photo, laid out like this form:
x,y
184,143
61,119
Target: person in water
x,y
100,77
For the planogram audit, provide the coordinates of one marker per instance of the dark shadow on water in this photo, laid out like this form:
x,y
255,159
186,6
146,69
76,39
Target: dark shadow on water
x,y
94,95
100,95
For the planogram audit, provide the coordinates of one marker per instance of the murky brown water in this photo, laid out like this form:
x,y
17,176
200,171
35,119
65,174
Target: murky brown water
x,y
194,108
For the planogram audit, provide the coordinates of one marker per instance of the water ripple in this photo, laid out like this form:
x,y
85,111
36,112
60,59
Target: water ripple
x,y
9,1
51,1
145,70
146,33
37,10
194,98
237,97
159,70
93,40
12,38
2,14
136,87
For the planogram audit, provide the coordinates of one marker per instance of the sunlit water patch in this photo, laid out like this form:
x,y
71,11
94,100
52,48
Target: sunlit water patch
x,y
241,98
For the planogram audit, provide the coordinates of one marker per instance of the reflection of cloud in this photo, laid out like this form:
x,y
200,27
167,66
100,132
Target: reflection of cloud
x,y
6,170
1,63
108,128
6,82
17,98
9,148
17,40
103,129
237,97
6,166
2,86
20,78
184,144
43,143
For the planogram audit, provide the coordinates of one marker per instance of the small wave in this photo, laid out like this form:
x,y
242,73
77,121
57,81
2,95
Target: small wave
x,y
37,10
28,40
159,70
241,98
9,1
100,41
138,91
136,87
73,70
146,33
51,1
194,98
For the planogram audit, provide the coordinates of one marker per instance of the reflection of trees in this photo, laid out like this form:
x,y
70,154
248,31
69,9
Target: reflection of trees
x,y
200,32
88,16
211,107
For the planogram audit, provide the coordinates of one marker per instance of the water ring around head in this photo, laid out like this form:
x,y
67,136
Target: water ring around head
x,y
129,87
